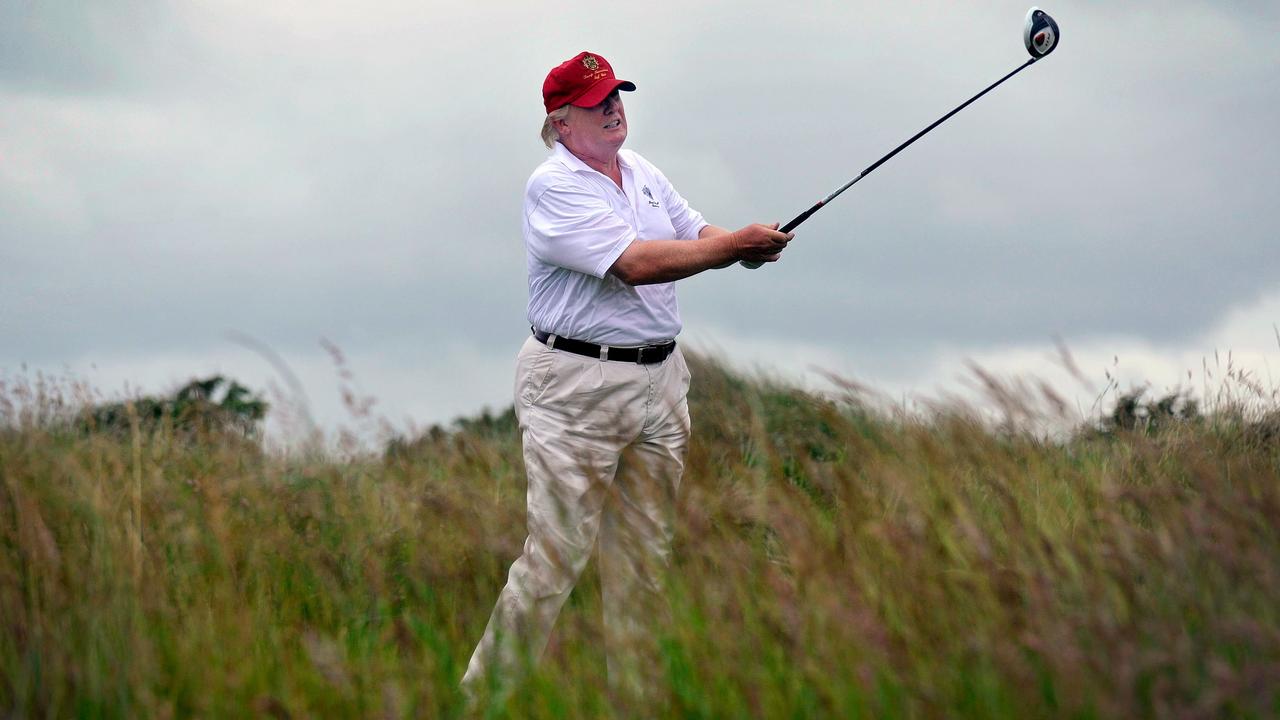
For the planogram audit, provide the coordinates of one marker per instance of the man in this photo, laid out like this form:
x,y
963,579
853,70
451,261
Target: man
x,y
600,385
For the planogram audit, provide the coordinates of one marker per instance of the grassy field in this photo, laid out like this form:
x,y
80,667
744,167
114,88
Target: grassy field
x,y
831,561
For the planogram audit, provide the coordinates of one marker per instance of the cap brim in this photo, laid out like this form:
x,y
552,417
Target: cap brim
x,y
600,91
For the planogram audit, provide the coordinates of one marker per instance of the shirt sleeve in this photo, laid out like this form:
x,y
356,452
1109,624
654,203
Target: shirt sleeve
x,y
686,221
573,228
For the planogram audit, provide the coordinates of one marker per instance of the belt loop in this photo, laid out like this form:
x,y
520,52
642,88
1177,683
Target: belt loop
x,y
604,352
551,341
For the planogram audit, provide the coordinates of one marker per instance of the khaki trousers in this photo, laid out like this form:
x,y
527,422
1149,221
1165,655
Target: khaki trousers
x,y
604,447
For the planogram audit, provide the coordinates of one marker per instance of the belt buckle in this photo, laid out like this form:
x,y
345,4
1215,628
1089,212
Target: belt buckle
x,y
654,352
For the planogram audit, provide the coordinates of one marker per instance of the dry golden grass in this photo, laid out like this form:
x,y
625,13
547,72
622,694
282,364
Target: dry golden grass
x,y
830,562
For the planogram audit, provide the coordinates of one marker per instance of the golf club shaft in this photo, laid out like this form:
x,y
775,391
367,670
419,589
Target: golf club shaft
x,y
795,222
805,215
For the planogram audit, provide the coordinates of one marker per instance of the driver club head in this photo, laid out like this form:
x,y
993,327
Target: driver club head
x,y
1040,34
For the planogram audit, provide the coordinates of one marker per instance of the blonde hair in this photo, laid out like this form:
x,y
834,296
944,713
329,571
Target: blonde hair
x,y
549,133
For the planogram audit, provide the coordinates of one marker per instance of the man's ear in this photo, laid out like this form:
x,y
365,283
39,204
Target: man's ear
x,y
561,125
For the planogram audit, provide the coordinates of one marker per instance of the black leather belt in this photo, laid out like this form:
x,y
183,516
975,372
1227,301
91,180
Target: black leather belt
x,y
646,355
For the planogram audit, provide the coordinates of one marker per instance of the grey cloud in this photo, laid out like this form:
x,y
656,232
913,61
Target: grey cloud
x,y
309,170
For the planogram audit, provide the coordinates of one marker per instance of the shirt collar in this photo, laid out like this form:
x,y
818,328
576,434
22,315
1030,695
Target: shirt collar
x,y
571,161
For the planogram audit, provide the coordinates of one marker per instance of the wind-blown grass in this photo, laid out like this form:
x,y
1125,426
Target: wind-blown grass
x,y
830,561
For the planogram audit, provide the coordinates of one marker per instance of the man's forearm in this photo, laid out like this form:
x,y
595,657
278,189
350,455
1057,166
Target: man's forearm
x,y
646,262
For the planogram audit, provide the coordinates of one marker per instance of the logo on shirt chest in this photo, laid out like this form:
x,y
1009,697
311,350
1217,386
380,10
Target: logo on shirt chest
x,y
648,194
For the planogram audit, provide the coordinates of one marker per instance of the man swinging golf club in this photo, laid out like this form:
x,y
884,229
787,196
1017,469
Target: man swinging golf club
x,y
600,384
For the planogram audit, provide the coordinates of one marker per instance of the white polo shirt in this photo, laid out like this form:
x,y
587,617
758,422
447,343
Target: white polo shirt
x,y
577,223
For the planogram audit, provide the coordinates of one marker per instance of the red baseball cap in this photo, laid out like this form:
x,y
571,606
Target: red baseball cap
x,y
584,80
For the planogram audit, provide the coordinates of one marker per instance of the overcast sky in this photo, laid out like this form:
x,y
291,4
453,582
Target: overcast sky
x,y
171,173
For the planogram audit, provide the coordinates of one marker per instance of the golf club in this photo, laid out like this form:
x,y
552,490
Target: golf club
x,y
1040,35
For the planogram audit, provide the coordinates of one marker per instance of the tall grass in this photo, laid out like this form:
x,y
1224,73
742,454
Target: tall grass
x,y
831,561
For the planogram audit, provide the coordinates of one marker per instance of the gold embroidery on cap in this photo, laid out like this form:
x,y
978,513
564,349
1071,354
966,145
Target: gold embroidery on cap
x,y
591,63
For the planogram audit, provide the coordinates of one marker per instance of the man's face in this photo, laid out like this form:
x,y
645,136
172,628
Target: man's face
x,y
598,130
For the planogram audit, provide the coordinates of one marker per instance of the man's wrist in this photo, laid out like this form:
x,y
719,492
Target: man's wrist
x,y
731,246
